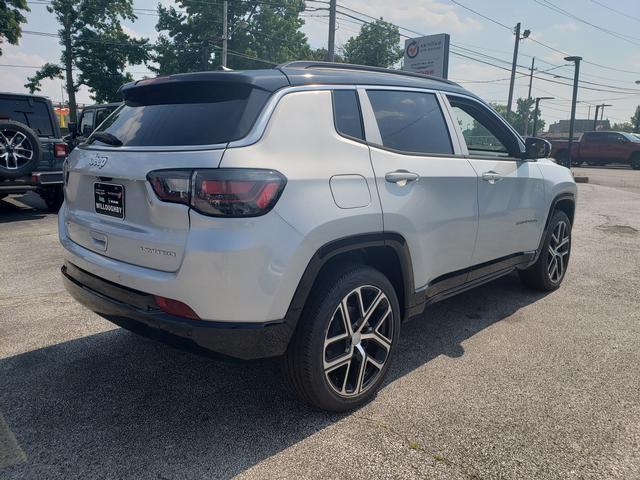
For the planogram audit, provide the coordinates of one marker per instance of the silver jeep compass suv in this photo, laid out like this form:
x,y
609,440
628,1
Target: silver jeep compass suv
x,y
305,212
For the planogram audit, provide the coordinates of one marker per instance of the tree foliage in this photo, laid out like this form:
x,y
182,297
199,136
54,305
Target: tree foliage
x,y
377,44
524,110
95,44
11,18
260,34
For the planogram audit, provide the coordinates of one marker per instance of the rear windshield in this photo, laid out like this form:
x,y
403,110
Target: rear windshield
x,y
185,114
34,114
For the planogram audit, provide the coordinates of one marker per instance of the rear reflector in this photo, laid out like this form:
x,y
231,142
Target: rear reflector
x,y
60,150
220,192
174,307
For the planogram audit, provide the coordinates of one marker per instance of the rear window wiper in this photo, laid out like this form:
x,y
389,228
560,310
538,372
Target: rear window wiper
x,y
107,138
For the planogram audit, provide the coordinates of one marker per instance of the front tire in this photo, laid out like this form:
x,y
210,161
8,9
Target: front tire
x,y
550,268
345,340
635,161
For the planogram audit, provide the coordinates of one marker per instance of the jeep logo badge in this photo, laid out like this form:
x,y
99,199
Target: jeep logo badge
x,y
98,161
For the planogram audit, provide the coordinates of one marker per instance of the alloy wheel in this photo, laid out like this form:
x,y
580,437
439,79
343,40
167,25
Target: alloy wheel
x,y
558,252
15,149
358,341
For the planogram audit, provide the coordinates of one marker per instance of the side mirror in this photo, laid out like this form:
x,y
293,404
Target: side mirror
x,y
72,127
622,140
536,148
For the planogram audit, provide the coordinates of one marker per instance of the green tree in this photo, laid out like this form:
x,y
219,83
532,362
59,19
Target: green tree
x,y
11,16
377,44
94,43
191,37
524,112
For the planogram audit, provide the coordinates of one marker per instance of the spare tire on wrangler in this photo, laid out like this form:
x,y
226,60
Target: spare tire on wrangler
x,y
20,149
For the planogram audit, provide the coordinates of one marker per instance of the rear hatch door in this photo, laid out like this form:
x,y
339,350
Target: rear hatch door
x,y
181,122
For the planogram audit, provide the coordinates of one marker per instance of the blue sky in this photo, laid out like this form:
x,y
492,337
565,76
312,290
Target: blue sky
x,y
468,31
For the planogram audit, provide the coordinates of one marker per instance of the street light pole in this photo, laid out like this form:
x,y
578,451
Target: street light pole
x,y
535,114
572,121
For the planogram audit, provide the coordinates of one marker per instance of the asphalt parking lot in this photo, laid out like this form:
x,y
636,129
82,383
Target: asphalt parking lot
x,y
500,382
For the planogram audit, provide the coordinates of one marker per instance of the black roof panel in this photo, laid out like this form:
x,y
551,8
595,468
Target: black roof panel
x,y
309,73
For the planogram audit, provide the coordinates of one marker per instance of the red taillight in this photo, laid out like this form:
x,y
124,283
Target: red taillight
x,y
174,307
171,185
60,150
224,192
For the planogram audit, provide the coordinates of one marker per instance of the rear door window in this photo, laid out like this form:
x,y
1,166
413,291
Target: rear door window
x,y
185,114
347,113
410,122
34,114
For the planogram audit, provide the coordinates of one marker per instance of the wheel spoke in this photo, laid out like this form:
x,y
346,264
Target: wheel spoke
x,y
363,364
372,309
346,316
338,362
378,338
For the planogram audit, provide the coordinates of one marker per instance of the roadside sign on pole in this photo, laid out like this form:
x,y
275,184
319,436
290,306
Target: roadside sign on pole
x,y
427,55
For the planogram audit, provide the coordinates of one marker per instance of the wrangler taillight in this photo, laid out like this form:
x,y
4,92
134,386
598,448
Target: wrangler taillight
x,y
60,150
222,192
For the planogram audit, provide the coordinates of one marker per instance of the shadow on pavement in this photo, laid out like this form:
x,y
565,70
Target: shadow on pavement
x,y
16,208
115,405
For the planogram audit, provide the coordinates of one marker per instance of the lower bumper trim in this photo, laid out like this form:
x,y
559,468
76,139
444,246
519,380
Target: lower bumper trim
x,y
136,311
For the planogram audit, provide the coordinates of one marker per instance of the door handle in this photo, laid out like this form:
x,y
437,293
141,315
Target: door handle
x,y
401,177
491,177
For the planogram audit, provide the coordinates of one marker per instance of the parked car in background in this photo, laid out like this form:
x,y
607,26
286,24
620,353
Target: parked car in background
x,y
32,151
214,210
600,148
90,118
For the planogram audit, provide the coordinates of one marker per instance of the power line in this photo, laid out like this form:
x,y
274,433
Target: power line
x,y
624,14
555,8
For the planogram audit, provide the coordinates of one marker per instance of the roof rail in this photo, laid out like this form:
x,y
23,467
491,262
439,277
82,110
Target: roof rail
x,y
362,68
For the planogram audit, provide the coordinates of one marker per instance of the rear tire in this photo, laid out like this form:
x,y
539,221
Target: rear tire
x,y
551,266
53,197
345,339
562,157
635,161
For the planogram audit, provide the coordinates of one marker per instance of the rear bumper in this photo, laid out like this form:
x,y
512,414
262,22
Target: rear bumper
x,y
137,311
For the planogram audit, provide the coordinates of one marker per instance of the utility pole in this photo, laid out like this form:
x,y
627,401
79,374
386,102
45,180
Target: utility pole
x,y
595,119
574,99
513,71
225,40
526,120
331,44
533,63
535,114
637,128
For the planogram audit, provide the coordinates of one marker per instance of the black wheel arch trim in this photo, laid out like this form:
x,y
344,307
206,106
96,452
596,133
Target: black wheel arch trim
x,y
355,243
557,199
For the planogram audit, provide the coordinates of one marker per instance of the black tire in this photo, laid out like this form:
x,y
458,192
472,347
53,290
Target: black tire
x,y
635,161
562,157
20,149
541,275
304,363
53,197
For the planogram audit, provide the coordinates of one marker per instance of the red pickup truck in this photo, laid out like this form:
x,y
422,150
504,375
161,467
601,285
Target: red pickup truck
x,y
600,148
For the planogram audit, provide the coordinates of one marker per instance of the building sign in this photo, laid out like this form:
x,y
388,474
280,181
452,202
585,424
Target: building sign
x,y
427,55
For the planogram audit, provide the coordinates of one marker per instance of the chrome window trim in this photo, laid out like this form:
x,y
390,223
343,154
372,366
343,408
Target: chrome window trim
x,y
495,115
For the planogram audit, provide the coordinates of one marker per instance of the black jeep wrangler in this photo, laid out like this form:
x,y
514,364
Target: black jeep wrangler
x,y
32,151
